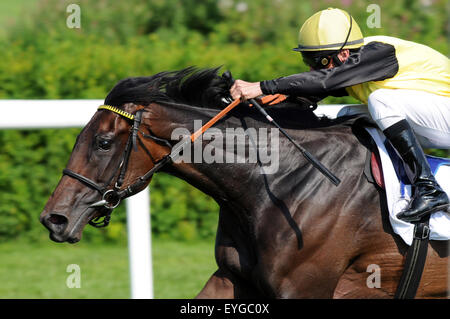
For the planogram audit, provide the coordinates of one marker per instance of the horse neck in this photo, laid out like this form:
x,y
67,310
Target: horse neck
x,y
164,120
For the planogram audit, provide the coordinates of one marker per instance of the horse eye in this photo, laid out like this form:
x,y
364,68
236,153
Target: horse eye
x,y
104,144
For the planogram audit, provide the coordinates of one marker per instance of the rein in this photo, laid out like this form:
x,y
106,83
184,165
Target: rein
x,y
112,197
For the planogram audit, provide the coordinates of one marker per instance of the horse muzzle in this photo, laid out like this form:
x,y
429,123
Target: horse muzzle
x,y
57,225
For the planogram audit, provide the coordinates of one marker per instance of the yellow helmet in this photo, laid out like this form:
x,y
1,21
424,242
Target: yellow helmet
x,y
330,29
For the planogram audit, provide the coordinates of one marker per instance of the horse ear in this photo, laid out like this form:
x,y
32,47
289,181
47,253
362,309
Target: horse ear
x,y
228,78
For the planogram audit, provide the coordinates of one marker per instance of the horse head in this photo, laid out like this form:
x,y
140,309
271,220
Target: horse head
x,y
108,158
117,152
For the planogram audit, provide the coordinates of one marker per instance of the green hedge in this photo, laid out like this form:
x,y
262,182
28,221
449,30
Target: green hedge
x,y
42,58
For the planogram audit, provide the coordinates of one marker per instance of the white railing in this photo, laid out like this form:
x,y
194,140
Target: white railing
x,y
35,114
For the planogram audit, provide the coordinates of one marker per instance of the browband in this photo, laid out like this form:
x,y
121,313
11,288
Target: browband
x,y
117,111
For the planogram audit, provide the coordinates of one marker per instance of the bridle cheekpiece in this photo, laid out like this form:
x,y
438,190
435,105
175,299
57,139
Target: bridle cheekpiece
x,y
112,197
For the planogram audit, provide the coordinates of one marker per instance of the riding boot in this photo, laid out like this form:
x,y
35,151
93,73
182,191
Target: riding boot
x,y
427,195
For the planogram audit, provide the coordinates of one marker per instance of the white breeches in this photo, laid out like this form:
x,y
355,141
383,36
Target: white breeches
x,y
427,113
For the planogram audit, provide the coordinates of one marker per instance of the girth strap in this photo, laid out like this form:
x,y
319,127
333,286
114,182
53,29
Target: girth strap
x,y
415,261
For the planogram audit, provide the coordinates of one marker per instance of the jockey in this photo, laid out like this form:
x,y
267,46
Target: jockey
x,y
406,86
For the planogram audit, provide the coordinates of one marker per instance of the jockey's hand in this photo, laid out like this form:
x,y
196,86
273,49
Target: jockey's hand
x,y
245,90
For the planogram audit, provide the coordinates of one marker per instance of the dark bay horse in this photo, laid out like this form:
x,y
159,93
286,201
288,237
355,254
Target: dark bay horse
x,y
287,234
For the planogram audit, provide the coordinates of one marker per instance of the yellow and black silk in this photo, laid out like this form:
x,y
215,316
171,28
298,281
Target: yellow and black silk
x,y
382,62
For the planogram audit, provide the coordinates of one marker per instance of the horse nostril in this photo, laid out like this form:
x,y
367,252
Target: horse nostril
x,y
57,219
56,223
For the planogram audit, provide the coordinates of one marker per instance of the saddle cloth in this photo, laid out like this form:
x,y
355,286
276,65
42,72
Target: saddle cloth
x,y
398,190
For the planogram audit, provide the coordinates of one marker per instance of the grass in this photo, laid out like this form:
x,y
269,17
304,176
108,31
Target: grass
x,y
34,271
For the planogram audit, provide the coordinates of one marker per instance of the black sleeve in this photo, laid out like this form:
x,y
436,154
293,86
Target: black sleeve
x,y
316,98
375,61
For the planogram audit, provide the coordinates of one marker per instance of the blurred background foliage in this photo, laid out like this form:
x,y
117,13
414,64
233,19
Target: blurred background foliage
x,y
41,58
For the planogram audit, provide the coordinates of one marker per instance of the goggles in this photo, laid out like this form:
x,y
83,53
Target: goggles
x,y
317,63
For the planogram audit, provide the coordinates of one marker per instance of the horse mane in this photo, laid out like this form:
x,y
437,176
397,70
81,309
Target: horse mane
x,y
191,86
204,88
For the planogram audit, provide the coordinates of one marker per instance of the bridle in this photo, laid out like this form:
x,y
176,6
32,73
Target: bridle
x,y
112,197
